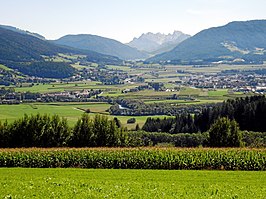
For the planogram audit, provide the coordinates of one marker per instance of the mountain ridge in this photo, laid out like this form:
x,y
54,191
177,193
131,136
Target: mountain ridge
x,y
101,45
18,51
18,30
154,43
238,39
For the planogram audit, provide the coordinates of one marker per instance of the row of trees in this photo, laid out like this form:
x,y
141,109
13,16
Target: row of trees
x,y
46,131
182,123
53,131
223,131
249,112
135,107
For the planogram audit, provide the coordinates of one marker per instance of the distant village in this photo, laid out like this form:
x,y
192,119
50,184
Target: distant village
x,y
9,96
234,81
255,83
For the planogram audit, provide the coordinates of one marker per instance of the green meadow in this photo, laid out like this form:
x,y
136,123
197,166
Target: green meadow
x,y
110,183
70,111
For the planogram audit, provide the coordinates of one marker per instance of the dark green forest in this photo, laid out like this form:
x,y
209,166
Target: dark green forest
x,y
249,113
44,69
25,53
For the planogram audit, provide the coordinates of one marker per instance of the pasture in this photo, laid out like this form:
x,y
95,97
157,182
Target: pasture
x,y
70,111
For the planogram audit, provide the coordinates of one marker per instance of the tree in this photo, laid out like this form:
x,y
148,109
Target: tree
x,y
117,122
4,134
225,133
137,127
87,110
83,135
131,120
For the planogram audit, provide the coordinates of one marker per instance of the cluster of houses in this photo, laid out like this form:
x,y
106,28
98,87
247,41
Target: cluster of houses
x,y
238,82
66,96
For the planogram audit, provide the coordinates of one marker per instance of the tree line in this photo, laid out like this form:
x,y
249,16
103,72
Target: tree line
x,y
136,107
53,131
214,127
249,113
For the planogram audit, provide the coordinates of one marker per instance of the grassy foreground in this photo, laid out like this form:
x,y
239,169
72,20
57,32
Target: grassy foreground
x,y
84,183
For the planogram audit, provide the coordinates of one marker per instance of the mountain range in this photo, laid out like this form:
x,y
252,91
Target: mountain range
x,y
243,41
22,31
19,50
158,43
101,45
237,42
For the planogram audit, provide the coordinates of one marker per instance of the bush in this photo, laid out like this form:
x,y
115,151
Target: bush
x,y
142,138
254,139
87,110
225,133
131,120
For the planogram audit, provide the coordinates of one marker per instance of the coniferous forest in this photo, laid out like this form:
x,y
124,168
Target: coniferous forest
x,y
249,113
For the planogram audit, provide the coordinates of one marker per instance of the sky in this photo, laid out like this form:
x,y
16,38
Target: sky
x,y
125,19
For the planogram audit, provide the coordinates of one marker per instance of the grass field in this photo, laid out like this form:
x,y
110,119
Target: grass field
x,y
84,183
213,69
57,87
218,92
4,67
71,86
70,111
12,112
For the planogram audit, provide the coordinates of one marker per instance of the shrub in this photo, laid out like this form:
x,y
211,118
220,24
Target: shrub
x,y
225,133
131,120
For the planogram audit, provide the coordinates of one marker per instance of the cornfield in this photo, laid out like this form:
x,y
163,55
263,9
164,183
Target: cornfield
x,y
136,158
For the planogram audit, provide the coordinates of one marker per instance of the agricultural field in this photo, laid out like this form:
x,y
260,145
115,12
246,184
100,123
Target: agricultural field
x,y
169,73
57,87
70,111
212,69
73,110
5,68
137,182
137,158
152,73
71,86
99,183
219,94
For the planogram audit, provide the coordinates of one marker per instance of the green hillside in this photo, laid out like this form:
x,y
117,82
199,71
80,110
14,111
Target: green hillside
x,y
26,53
101,45
245,40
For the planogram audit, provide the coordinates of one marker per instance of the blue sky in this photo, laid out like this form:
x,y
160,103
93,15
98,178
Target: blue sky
x,y
124,19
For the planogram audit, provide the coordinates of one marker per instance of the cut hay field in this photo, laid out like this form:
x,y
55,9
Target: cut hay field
x,y
99,183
